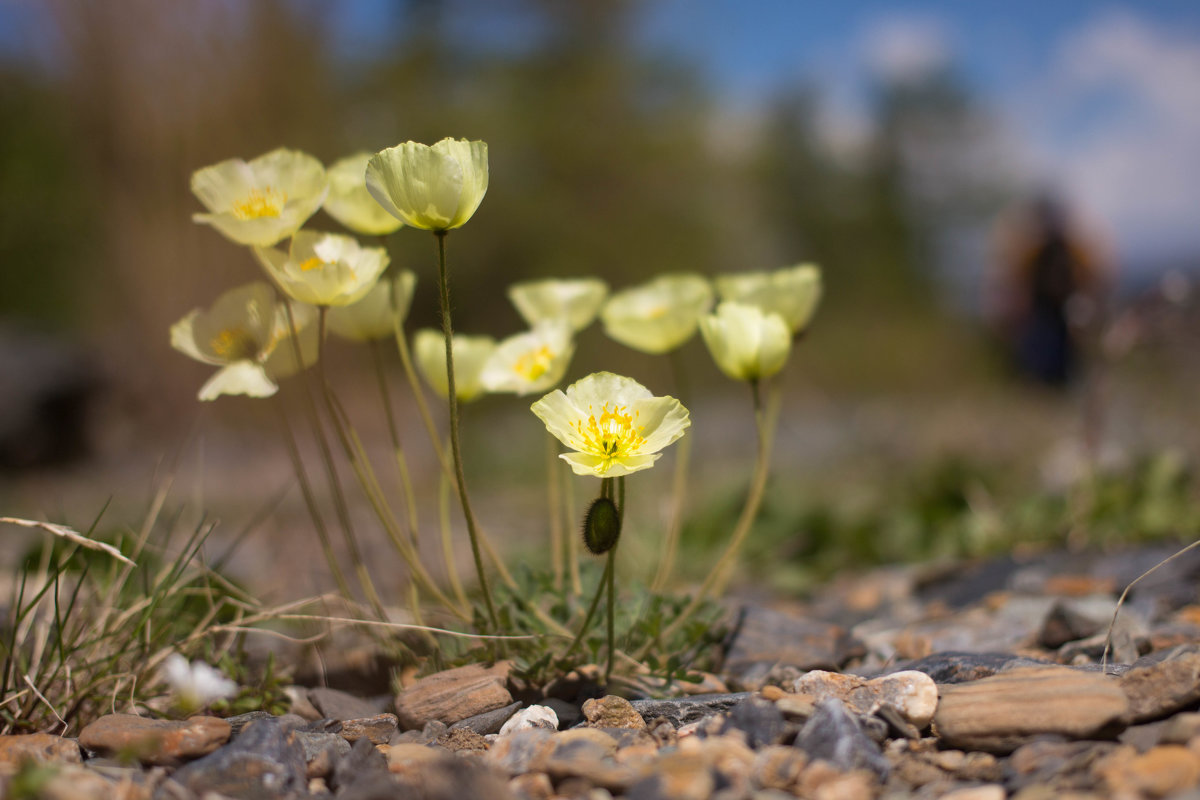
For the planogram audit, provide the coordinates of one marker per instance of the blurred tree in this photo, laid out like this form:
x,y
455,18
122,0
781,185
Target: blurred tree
x,y
42,193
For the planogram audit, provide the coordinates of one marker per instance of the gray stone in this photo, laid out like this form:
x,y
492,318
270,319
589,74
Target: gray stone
x,y
263,762
488,721
336,704
683,710
958,667
834,735
763,636
759,721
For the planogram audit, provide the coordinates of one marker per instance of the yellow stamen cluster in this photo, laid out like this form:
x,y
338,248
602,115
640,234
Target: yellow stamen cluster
x,y
613,435
311,264
533,365
233,344
266,202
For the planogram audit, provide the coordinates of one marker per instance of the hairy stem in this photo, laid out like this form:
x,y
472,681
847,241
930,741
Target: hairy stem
x,y
455,445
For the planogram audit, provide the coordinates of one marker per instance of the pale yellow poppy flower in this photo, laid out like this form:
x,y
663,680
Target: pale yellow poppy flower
x,y
262,201
746,343
613,424
351,204
324,269
532,361
577,300
246,332
434,188
791,292
470,355
378,312
658,316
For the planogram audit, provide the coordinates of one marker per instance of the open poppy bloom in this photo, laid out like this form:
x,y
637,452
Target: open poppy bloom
x,y
324,269
532,361
262,201
614,425
247,333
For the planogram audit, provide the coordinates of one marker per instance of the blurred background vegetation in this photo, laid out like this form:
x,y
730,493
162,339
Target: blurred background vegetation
x,y
607,158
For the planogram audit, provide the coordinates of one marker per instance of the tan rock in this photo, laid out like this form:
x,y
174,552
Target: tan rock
x,y
454,695
778,767
999,713
612,712
41,748
74,782
912,693
1158,772
378,729
1157,690
404,758
532,786
155,741
991,791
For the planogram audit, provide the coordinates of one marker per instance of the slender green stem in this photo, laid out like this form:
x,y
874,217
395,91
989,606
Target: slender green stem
x,y
570,520
591,612
679,484
554,509
765,419
310,500
448,539
440,451
394,434
610,570
455,445
335,483
361,465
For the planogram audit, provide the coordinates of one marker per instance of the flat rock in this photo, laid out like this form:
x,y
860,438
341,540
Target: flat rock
x,y
454,695
1157,689
155,741
1000,713
611,711
265,761
764,636
684,710
912,693
959,667
336,704
378,729
40,748
833,735
489,721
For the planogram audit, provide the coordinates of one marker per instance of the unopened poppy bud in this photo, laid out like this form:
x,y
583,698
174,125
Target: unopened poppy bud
x,y
601,526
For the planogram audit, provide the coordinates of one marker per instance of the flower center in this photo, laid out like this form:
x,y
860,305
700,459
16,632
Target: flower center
x,y
534,364
233,344
611,435
266,202
313,263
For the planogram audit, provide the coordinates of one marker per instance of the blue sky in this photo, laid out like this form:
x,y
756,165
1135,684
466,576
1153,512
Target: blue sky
x,y
1100,98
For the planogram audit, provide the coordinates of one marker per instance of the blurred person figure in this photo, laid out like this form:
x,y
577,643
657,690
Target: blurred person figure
x,y
1047,290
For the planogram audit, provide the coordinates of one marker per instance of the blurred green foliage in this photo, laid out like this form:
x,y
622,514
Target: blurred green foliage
x,y
954,508
606,159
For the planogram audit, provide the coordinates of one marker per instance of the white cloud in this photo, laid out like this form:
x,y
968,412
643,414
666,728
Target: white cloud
x,y
903,48
1116,124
